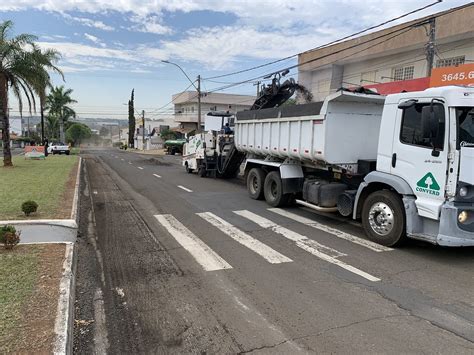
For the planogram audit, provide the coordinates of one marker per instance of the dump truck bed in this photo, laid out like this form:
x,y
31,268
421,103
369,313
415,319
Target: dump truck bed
x,y
342,129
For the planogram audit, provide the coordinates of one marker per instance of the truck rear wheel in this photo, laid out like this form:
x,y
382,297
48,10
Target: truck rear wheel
x,y
255,181
383,218
273,190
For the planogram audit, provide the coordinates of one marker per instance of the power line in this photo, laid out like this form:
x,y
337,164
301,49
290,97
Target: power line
x,y
327,44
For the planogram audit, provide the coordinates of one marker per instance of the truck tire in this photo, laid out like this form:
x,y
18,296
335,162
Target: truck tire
x,y
188,169
383,218
202,171
255,182
273,190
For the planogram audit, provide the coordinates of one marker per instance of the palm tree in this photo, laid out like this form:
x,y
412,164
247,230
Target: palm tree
x,y
43,82
53,126
21,69
57,103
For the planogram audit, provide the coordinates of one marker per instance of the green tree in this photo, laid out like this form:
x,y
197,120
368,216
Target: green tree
x,y
131,119
77,132
57,103
22,67
43,82
52,124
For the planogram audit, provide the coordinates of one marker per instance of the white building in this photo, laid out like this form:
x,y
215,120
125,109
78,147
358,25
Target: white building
x,y
186,106
390,60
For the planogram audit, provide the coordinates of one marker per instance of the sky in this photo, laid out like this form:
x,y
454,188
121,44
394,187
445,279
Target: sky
x,y
109,47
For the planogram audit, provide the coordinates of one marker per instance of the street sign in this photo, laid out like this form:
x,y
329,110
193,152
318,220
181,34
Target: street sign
x,y
460,75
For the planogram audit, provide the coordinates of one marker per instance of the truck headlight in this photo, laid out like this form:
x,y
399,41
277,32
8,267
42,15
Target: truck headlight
x,y
463,217
463,191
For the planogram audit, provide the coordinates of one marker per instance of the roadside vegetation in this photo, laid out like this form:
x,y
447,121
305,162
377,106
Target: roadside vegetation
x,y
29,288
43,181
17,279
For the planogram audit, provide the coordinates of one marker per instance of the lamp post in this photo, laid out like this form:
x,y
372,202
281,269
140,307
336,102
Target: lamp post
x,y
198,89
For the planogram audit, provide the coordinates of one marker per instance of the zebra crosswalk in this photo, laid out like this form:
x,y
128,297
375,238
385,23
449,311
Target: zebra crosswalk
x,y
211,261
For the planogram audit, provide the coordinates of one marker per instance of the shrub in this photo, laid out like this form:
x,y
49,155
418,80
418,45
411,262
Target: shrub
x,y
29,207
9,237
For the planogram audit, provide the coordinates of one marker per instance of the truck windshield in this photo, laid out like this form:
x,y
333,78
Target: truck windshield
x,y
465,124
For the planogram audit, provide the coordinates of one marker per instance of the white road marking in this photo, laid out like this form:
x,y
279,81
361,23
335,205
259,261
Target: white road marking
x,y
204,255
94,192
336,232
140,168
272,256
289,234
185,188
158,176
122,159
305,243
130,162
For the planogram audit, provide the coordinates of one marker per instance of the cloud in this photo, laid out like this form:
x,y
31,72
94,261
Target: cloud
x,y
88,22
149,24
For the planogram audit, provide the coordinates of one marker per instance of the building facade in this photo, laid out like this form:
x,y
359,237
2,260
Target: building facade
x,y
393,55
186,106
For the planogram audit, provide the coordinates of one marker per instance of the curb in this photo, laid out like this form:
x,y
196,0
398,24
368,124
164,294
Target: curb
x,y
64,323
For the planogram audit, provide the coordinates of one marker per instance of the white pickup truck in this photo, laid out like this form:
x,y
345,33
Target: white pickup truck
x,y
58,148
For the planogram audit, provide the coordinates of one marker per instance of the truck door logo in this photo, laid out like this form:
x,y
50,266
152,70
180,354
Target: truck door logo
x,y
428,184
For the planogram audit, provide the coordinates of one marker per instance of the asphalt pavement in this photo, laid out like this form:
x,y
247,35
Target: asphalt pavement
x,y
171,262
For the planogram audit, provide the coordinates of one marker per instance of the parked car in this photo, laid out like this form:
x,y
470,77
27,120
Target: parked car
x,y
58,148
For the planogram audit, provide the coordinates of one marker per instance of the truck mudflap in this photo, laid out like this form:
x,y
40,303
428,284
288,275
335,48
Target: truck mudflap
x,y
451,232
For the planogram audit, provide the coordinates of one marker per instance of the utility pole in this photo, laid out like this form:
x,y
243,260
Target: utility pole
x,y
199,102
143,133
430,46
257,84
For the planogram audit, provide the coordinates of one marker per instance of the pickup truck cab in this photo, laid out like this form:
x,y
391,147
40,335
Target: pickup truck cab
x,y
58,148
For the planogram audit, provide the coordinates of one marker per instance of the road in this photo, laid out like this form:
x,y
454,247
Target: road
x,y
172,263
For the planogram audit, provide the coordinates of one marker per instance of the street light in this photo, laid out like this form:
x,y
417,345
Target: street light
x,y
198,89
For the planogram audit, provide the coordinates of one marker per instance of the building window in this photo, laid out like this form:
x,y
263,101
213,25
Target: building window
x,y
450,62
192,108
403,73
411,130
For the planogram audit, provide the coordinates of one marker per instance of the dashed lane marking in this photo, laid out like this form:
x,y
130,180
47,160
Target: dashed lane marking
x,y
272,256
205,256
336,232
306,244
185,188
156,175
140,168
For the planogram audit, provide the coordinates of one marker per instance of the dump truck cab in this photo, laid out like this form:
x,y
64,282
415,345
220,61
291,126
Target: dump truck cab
x,y
423,185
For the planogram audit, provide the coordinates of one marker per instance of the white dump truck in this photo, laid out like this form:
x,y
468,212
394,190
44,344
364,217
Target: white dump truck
x,y
403,164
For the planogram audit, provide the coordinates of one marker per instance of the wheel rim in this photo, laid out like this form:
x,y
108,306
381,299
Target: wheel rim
x,y
254,184
381,218
274,189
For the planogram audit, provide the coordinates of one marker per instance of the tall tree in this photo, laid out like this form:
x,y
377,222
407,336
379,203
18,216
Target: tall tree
x,y
131,120
20,68
43,82
57,103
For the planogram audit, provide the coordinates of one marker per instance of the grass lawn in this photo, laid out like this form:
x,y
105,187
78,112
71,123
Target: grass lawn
x,y
18,273
44,181
29,291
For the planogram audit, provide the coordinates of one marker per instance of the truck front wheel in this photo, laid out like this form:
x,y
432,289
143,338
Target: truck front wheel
x,y
273,190
383,218
255,180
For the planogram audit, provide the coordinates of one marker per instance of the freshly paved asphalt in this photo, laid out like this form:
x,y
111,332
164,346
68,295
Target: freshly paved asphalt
x,y
148,293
